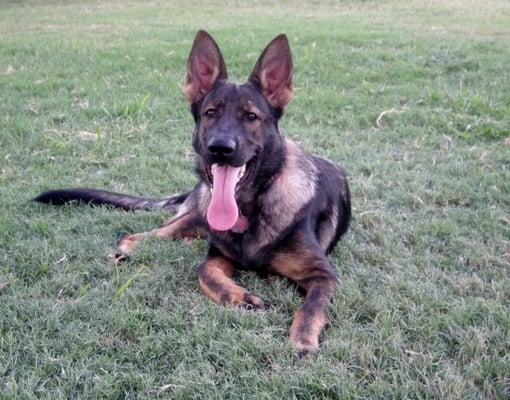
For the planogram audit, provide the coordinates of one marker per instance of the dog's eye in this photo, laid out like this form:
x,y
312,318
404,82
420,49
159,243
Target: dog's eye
x,y
211,112
251,116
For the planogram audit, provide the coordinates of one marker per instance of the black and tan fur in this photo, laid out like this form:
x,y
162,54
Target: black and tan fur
x,y
298,205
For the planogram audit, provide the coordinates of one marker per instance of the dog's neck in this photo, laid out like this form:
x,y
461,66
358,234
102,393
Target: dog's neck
x,y
271,166
248,208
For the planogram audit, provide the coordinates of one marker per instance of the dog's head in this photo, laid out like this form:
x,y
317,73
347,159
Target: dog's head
x,y
236,138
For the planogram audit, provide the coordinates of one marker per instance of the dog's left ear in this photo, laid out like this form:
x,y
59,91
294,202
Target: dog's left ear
x,y
273,72
205,67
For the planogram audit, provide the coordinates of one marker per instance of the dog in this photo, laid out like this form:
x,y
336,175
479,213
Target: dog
x,y
263,203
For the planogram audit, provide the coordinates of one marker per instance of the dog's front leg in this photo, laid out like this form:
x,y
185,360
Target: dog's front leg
x,y
215,277
309,269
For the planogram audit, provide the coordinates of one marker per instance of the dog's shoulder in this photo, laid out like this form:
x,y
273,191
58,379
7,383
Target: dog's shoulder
x,y
294,186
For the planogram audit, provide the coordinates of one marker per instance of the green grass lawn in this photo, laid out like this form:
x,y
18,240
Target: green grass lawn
x,y
90,96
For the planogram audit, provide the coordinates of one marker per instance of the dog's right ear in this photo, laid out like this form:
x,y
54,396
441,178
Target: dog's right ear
x,y
205,66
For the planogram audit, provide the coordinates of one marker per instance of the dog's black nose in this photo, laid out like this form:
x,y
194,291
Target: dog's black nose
x,y
221,147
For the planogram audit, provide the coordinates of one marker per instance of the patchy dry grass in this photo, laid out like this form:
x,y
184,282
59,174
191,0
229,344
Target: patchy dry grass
x,y
90,96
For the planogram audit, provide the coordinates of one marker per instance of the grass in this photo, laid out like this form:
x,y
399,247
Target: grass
x,y
90,96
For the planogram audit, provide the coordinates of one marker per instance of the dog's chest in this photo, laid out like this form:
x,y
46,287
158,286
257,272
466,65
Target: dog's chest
x,y
229,243
234,245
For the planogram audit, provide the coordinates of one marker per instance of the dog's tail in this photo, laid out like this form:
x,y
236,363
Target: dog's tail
x,y
118,200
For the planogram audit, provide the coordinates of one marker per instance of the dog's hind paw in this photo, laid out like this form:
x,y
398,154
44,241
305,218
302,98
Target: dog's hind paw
x,y
127,243
117,258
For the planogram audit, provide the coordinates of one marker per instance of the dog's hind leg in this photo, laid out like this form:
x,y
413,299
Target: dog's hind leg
x,y
215,278
189,225
309,268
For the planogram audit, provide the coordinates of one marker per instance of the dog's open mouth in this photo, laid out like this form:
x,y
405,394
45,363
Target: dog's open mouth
x,y
222,213
245,172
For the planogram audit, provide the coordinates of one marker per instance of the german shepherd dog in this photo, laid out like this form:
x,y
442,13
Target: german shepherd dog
x,y
263,203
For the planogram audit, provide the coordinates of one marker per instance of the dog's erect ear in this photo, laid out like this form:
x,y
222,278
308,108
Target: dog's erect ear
x,y
205,66
273,72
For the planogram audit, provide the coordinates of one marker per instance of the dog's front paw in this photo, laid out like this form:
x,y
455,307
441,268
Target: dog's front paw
x,y
252,302
244,300
304,348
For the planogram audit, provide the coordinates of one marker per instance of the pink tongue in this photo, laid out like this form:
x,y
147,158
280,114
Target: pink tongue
x,y
222,213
